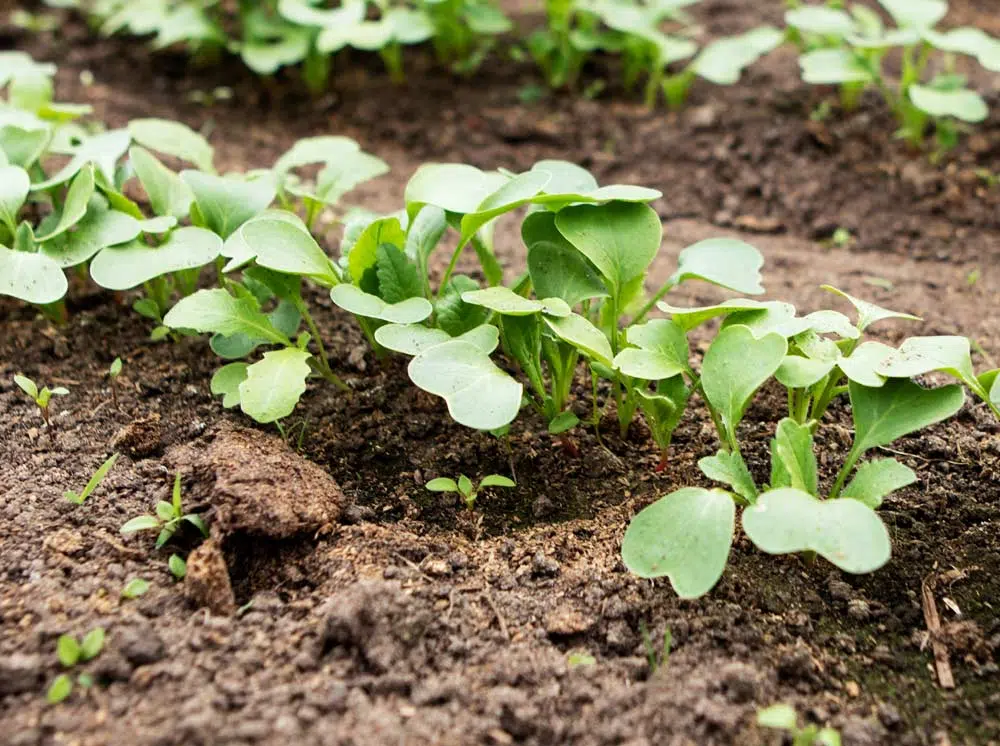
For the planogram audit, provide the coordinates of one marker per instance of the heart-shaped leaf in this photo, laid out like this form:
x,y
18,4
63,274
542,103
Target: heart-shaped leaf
x,y
773,317
273,386
506,302
833,67
33,278
355,300
862,364
916,13
723,60
557,269
690,318
174,139
846,532
478,393
686,536
725,262
98,229
454,187
127,266
961,103
876,479
661,351
900,407
797,372
735,366
412,339
819,19
103,150
832,322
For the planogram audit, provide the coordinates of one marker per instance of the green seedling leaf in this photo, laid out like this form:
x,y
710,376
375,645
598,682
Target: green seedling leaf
x,y
274,385
797,372
690,318
557,269
98,229
92,644
793,445
453,187
832,322
833,67
425,232
869,313
517,191
68,650
478,393
224,204
664,409
579,332
454,315
686,536
661,351
74,207
284,246
726,262
962,104
465,485
14,187
32,278
846,532
900,407
723,61
442,484
127,266
920,355
103,150
773,317
862,365
173,139
735,366
177,566
412,339
619,238
563,422
165,511
23,146
93,483
819,19
60,689
506,302
218,312
168,194
398,279
323,149
362,259
780,717
916,13
240,253
134,588
27,386
729,468
876,479
226,383
496,480
355,300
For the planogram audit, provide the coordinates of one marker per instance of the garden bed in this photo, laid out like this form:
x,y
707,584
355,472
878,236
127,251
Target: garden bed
x,y
387,614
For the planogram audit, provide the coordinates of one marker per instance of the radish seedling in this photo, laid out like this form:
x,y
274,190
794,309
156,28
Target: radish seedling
x,y
72,652
42,397
114,370
169,518
93,483
465,488
135,588
782,717
177,566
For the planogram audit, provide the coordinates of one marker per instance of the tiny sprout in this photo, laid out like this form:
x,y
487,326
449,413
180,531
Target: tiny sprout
x,y
134,588
70,652
577,659
177,565
842,238
94,483
113,372
783,717
168,519
465,488
656,661
41,398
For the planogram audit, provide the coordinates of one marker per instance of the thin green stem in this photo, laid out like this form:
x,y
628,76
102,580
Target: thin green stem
x,y
667,287
324,360
846,469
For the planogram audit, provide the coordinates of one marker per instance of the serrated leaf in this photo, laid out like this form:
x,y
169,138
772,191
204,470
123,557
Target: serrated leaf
x,y
454,315
686,536
398,279
876,479
794,446
478,393
274,385
218,312
729,468
129,265
846,532
362,259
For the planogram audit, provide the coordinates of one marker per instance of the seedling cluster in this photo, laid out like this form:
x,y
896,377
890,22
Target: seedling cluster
x,y
72,652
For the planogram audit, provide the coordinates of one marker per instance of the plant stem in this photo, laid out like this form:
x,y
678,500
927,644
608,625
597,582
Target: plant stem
x,y
667,287
324,361
852,459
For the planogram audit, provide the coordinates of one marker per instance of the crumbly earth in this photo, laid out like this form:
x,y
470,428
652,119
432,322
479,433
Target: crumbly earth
x,y
376,612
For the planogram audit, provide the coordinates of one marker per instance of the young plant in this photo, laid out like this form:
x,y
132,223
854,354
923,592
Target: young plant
x,y
847,48
42,397
169,518
177,566
72,652
93,483
782,717
465,487
114,371
687,535
135,588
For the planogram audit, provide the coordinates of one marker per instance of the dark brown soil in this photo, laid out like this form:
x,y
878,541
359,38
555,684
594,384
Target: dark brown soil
x,y
386,614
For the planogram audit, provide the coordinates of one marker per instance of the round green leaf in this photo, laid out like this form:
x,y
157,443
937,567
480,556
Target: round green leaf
x,y
355,300
125,267
33,278
174,139
962,104
273,386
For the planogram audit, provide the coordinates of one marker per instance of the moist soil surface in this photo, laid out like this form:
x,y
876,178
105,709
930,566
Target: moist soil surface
x,y
339,602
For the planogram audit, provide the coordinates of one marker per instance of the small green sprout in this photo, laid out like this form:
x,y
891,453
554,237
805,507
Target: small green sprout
x,y
580,658
134,588
656,660
40,397
465,488
783,717
94,483
168,519
71,652
177,565
113,372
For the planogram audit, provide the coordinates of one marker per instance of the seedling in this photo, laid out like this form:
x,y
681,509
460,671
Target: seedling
x,y
465,488
72,652
135,588
177,565
656,659
41,398
168,519
93,483
782,717
114,371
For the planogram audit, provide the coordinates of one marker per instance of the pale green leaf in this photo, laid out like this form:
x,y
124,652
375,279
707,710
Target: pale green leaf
x,y
355,300
173,139
876,479
274,385
129,265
